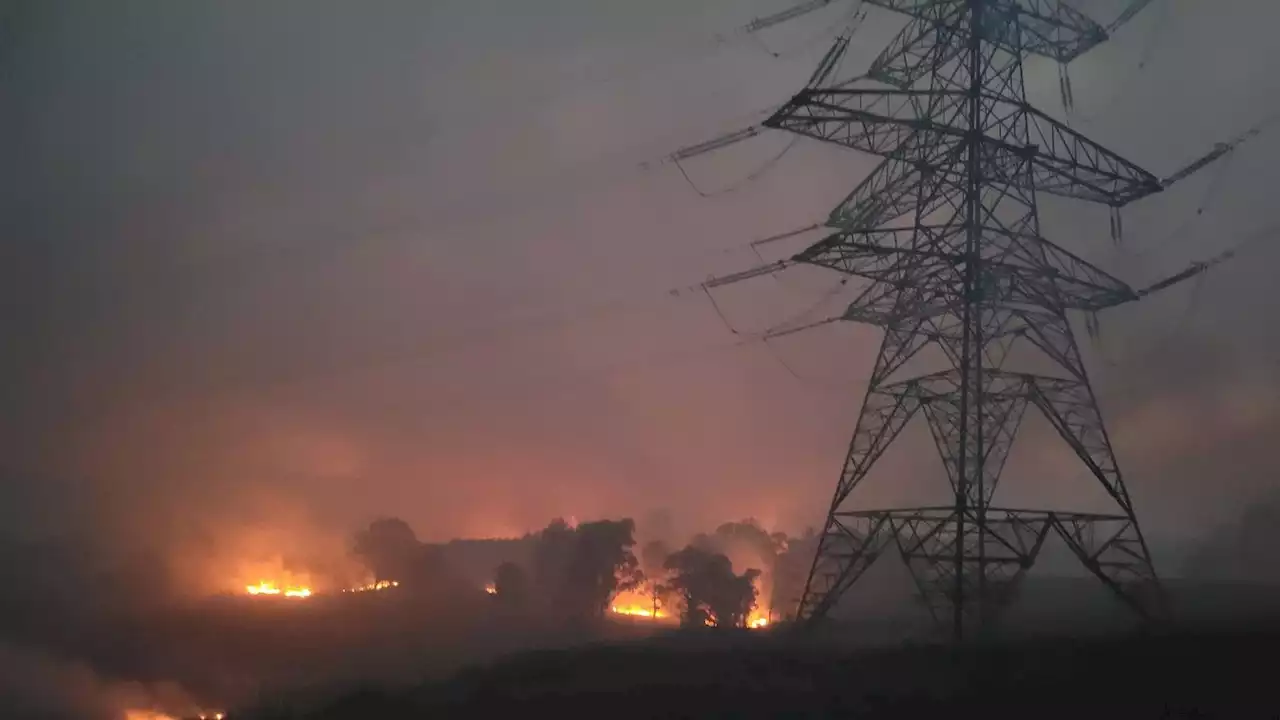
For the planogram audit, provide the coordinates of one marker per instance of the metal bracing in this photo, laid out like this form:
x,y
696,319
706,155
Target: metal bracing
x,y
1050,28
947,234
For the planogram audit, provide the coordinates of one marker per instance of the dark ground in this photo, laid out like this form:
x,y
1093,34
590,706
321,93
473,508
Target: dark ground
x,y
1224,674
310,657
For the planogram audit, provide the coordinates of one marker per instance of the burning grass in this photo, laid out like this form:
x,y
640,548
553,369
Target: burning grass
x,y
269,588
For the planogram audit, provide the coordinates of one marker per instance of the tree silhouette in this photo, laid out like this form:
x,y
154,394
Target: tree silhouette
x,y
792,570
749,535
579,570
603,564
552,555
389,549
653,559
711,593
511,584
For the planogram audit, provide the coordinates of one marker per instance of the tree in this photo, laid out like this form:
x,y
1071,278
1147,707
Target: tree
x,y
603,564
712,594
653,559
579,570
792,570
748,538
389,549
511,584
552,554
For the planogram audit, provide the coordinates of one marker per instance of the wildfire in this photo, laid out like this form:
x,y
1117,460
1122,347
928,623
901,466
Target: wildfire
x,y
134,714
380,585
636,604
633,604
491,589
636,611
758,619
268,588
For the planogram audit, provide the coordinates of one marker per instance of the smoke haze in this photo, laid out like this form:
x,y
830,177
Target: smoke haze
x,y
276,269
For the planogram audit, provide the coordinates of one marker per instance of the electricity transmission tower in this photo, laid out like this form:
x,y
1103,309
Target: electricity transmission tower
x,y
946,231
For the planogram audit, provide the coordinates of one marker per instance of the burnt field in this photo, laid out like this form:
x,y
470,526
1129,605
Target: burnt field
x,y
1222,674
400,654
1213,663
240,651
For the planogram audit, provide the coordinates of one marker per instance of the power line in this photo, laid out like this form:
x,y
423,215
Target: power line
x,y
807,44
751,177
1149,45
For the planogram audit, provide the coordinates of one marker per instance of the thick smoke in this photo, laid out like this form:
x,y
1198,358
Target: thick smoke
x,y
37,685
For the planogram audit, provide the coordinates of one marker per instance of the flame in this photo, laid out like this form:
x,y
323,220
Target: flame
x,y
491,589
380,585
134,714
269,588
756,620
636,611
636,604
273,577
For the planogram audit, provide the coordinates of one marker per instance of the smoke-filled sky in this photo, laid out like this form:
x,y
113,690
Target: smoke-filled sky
x,y
306,263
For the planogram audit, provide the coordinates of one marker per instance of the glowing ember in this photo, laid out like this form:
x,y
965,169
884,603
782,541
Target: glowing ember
x,y
266,588
758,618
636,611
491,589
154,715
637,604
380,585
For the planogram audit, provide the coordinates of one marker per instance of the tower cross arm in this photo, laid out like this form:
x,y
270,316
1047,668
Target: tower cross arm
x,y
1071,165
873,121
1050,28
881,122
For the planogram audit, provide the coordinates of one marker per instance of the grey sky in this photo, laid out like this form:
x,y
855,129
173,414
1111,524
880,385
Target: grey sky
x,y
326,260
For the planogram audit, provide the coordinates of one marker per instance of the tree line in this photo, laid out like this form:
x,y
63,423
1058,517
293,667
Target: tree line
x,y
574,572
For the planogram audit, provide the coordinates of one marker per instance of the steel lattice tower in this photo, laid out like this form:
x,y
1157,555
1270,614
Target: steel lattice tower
x,y
946,231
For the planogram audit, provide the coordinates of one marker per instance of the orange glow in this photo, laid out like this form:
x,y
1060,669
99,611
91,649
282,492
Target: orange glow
x,y
491,589
636,611
268,588
272,577
148,715
636,604
380,585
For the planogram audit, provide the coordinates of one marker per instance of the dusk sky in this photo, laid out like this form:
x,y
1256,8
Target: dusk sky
x,y
299,264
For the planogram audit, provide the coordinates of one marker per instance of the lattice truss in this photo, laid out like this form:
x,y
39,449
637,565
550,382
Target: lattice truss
x,y
946,231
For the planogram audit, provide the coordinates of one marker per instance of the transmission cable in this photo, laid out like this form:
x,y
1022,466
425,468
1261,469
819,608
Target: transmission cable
x,y
1222,151
849,27
1199,272
754,175
1154,34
